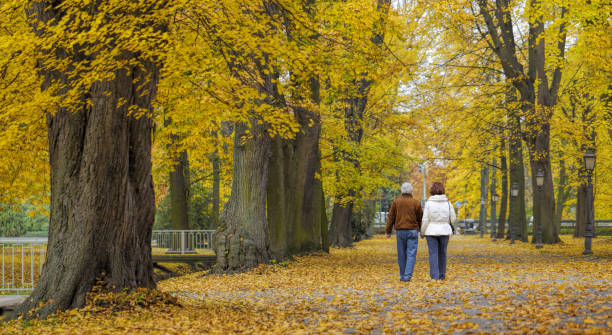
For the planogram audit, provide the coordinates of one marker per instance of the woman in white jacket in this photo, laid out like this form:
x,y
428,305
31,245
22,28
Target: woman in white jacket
x,y
438,216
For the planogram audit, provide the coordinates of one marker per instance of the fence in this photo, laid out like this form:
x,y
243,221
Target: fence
x,y
21,265
182,241
23,257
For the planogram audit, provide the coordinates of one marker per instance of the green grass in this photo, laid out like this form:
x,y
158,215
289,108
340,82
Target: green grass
x,y
599,231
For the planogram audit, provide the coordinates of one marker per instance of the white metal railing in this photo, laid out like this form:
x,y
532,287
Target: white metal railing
x,y
21,265
182,241
22,258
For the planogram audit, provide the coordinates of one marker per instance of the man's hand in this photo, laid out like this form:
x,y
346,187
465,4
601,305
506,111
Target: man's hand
x,y
422,236
388,235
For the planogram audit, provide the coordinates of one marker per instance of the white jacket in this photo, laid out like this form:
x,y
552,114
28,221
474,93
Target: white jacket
x,y
436,216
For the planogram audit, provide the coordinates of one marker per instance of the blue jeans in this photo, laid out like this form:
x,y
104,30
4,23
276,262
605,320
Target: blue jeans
x,y
407,242
437,256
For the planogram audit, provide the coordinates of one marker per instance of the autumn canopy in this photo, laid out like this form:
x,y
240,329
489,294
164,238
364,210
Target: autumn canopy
x,y
288,126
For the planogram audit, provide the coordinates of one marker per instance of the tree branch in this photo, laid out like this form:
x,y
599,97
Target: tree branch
x,y
556,81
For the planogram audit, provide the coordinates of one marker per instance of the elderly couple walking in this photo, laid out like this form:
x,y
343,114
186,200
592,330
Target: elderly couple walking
x,y
434,222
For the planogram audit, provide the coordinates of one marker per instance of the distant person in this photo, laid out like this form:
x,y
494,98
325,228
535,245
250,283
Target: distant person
x,y
438,219
405,216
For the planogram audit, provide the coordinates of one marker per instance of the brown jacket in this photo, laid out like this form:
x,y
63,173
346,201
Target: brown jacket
x,y
405,213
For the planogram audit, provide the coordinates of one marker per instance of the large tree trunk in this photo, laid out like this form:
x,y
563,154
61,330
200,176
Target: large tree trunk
x,y
517,176
227,128
538,133
102,198
102,202
544,208
242,240
179,203
581,210
562,193
179,193
309,189
503,205
216,189
295,206
294,192
341,232
539,159
277,199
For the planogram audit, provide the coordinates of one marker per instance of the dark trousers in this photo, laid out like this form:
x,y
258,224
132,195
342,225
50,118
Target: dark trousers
x,y
437,256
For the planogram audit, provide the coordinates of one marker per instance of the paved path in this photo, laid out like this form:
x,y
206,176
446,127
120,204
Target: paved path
x,y
491,287
8,302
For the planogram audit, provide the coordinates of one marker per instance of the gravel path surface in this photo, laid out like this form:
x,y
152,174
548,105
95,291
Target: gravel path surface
x,y
490,287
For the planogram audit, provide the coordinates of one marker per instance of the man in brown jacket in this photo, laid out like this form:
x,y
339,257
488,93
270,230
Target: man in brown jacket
x,y
405,215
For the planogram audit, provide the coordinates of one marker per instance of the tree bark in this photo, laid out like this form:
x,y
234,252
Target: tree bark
x,y
537,113
539,160
179,202
102,202
539,128
562,194
102,198
581,210
179,193
216,189
503,205
242,240
484,191
342,213
493,191
294,193
341,232
295,206
277,199
324,221
517,175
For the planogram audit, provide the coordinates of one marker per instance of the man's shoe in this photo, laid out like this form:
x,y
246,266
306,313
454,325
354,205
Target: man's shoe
x,y
404,279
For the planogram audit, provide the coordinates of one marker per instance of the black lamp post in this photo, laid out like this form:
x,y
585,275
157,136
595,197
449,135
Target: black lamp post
x,y
514,191
538,232
589,166
494,198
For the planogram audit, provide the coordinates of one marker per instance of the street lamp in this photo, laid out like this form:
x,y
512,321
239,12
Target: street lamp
x,y
514,191
494,198
589,166
539,183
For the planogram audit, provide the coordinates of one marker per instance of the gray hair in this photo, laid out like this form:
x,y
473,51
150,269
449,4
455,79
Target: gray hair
x,y
406,188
